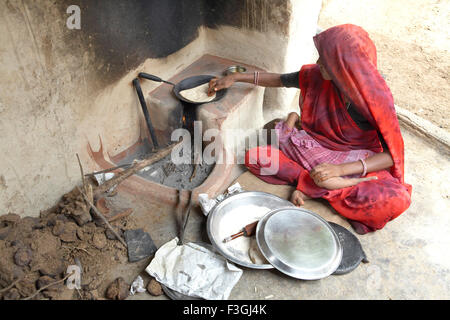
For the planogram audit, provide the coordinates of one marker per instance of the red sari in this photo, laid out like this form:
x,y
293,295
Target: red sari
x,y
349,56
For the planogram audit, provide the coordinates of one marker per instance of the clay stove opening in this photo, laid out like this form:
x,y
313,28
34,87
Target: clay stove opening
x,y
187,175
241,107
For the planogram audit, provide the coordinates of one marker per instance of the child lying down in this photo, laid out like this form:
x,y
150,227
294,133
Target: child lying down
x,y
303,149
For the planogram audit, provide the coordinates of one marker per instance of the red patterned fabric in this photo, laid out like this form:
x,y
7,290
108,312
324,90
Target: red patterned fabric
x,y
349,56
373,203
307,152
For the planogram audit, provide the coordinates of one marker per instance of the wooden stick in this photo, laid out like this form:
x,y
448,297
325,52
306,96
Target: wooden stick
x,y
87,189
82,173
108,170
101,216
77,248
194,172
184,218
49,285
135,168
10,286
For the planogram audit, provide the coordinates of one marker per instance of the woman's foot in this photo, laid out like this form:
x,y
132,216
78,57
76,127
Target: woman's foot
x,y
298,198
360,228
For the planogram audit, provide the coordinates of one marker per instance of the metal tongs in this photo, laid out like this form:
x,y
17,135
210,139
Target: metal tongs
x,y
183,216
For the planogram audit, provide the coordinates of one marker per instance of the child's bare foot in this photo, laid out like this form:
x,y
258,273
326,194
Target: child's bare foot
x,y
298,198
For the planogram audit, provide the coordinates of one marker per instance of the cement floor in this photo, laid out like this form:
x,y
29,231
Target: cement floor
x,y
408,258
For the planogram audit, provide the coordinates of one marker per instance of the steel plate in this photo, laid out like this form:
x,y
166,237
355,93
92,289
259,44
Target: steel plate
x,y
217,214
299,243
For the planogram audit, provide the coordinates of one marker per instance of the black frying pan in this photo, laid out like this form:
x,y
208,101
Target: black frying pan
x,y
185,84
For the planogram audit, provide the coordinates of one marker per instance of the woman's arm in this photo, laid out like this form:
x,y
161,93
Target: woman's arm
x,y
379,161
264,79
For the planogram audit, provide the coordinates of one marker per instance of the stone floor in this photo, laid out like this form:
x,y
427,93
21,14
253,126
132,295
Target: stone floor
x,y
408,258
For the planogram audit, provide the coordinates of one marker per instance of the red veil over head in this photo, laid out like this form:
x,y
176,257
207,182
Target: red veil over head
x,y
349,56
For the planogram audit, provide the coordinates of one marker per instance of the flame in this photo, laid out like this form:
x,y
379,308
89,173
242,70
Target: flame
x,y
184,119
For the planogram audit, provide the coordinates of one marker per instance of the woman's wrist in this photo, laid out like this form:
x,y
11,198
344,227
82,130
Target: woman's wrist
x,y
242,77
234,77
376,162
351,168
258,78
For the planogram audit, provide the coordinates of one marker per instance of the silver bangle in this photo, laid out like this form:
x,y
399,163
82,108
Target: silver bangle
x,y
364,167
255,78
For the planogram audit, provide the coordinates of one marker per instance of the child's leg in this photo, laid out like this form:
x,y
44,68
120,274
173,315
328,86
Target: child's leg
x,y
339,182
272,165
269,127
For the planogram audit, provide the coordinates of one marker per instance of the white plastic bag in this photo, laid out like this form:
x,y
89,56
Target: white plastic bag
x,y
206,204
194,270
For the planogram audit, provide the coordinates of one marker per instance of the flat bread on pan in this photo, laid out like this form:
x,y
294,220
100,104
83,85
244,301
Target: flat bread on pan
x,y
198,94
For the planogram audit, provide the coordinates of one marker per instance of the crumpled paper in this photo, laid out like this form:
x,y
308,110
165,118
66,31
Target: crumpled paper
x,y
137,286
103,177
194,271
206,204
235,188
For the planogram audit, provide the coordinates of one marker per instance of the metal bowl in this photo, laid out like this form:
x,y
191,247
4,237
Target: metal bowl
x,y
221,210
235,69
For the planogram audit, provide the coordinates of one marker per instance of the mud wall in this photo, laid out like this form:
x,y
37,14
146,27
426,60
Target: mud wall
x,y
273,35
63,89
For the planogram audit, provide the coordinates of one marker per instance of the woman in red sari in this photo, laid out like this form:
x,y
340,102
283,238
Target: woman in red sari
x,y
345,106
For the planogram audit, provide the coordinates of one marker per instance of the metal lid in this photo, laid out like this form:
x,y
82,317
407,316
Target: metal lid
x,y
299,243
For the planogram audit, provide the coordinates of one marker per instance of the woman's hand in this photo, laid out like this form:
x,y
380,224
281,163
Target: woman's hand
x,y
325,171
219,84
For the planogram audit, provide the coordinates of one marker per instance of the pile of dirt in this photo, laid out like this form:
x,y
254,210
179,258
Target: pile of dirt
x,y
36,252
